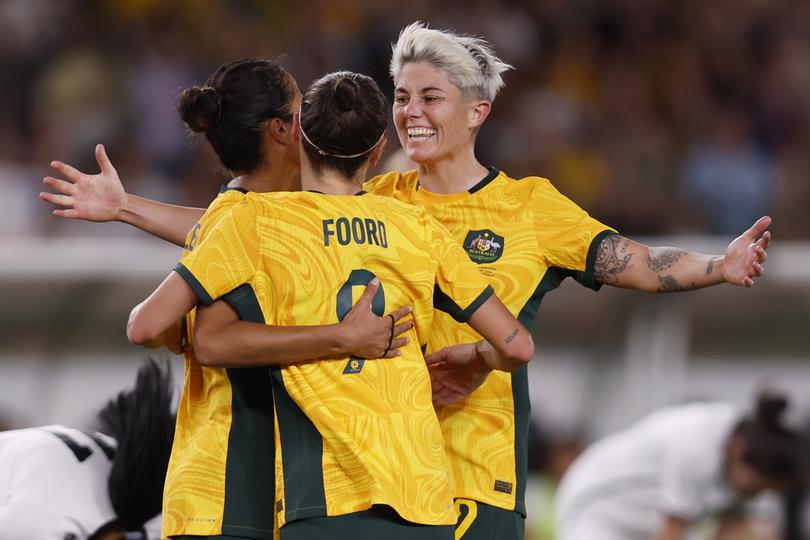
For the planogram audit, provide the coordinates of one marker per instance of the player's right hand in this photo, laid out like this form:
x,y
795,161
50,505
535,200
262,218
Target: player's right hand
x,y
368,335
97,197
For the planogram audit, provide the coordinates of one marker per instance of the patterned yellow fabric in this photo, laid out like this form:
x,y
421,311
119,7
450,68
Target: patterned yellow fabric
x,y
526,237
350,433
194,492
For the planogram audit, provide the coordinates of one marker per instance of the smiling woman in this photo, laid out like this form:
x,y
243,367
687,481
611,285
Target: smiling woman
x,y
526,238
444,93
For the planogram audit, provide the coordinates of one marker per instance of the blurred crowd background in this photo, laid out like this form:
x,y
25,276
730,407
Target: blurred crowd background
x,y
658,117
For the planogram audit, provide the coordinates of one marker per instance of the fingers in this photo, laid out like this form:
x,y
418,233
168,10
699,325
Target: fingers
x,y
748,282
395,346
445,397
402,328
59,200
401,312
765,240
758,228
68,171
67,214
65,188
758,270
437,358
368,294
103,161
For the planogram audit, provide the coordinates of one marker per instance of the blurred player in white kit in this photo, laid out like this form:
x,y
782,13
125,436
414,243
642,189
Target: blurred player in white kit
x,y
61,483
676,467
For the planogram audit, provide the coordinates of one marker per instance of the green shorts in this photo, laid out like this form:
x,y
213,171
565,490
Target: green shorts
x,y
381,522
479,521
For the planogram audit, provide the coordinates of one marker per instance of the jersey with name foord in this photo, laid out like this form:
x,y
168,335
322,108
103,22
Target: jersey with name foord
x,y
351,433
525,238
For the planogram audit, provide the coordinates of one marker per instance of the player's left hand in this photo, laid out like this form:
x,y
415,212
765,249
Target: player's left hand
x,y
455,373
745,255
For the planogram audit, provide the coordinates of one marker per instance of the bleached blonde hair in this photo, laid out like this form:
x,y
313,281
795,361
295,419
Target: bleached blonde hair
x,y
469,62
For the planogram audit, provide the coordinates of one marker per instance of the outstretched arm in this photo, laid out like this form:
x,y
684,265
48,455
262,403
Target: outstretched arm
x,y
101,197
622,262
221,339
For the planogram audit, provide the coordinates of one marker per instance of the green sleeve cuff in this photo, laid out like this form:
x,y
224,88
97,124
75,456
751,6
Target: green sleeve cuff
x,y
444,303
194,283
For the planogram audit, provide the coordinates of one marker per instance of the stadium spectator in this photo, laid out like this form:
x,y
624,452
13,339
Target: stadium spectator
x,y
675,467
69,484
674,54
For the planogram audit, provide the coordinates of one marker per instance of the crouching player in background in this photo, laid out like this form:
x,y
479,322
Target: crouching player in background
x,y
63,483
675,467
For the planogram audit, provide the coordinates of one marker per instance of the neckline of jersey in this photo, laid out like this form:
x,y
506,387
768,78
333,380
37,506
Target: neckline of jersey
x,y
361,192
485,181
223,189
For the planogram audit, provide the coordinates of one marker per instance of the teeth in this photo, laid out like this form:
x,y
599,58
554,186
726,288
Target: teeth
x,y
420,132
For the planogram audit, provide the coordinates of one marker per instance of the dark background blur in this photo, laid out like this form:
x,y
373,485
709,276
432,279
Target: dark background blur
x,y
659,117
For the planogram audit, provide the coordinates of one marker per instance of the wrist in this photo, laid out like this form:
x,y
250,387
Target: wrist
x,y
481,358
125,210
339,339
719,269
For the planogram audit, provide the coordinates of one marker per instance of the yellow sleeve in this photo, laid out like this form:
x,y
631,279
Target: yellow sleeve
x,y
382,184
226,257
568,236
460,288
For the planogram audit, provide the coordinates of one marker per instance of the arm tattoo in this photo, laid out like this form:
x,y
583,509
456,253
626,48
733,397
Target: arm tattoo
x,y
710,266
670,284
512,336
663,258
612,259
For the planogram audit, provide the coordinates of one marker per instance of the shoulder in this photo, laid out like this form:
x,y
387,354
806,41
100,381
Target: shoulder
x,y
393,207
226,199
393,182
530,189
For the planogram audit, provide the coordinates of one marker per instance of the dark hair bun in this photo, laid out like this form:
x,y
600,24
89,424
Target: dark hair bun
x,y
770,407
347,96
200,107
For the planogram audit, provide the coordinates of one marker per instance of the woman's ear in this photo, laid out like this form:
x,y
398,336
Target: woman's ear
x,y
479,112
283,132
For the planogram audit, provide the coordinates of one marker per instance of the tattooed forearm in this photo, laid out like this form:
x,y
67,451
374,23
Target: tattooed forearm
x,y
710,266
662,258
612,259
670,284
512,336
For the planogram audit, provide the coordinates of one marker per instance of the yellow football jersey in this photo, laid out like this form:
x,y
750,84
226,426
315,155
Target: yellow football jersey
x,y
350,433
220,472
526,238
